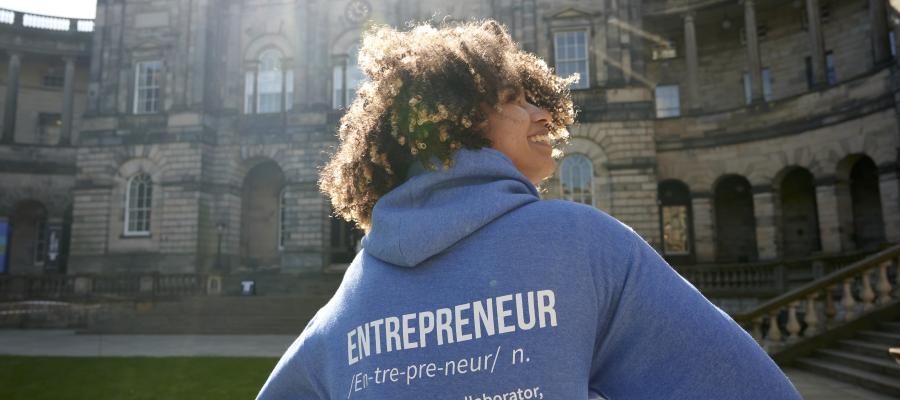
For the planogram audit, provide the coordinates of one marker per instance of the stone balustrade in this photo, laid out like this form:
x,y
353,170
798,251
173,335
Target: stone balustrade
x,y
44,22
107,286
832,301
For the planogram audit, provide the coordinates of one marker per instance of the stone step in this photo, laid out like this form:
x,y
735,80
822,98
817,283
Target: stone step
x,y
887,385
879,365
890,327
890,339
865,348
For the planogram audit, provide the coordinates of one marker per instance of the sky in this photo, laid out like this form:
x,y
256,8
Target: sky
x,y
84,9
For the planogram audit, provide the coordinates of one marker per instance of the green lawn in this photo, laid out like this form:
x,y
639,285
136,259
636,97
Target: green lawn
x,y
132,378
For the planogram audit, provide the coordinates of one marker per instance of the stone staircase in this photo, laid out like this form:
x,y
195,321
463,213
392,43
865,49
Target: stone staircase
x,y
285,315
862,359
839,326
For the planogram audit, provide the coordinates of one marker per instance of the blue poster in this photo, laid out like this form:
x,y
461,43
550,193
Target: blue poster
x,y
4,239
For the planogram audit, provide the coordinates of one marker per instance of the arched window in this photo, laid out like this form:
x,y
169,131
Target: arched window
x,y
138,205
282,218
577,179
274,84
346,78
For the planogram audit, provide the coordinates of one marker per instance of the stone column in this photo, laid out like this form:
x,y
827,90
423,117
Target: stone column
x,y
752,39
881,46
829,216
690,53
12,96
845,214
767,217
816,42
890,204
68,102
704,234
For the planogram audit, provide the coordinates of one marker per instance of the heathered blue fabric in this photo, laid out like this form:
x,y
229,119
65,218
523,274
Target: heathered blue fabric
x,y
608,316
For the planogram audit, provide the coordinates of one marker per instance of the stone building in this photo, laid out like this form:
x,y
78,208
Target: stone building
x,y
189,133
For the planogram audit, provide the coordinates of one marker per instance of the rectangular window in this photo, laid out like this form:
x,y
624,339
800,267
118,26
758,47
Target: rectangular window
x,y
571,55
830,71
49,128
147,87
53,79
766,84
893,41
667,101
337,81
248,92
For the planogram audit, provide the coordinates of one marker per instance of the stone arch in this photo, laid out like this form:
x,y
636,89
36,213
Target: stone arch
x,y
799,216
261,202
267,41
857,178
119,196
735,221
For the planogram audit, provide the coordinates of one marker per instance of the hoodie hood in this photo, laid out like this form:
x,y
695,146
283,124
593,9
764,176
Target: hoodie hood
x,y
433,210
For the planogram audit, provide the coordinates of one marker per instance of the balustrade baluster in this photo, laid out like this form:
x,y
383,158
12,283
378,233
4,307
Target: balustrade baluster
x,y
830,309
793,326
884,285
774,334
847,300
756,332
866,294
812,317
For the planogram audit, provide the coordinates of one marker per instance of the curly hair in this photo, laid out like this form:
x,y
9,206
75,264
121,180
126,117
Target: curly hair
x,y
427,93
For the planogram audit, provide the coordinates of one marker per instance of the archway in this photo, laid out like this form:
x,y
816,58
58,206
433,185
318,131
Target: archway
x,y
28,237
735,220
868,224
261,215
799,214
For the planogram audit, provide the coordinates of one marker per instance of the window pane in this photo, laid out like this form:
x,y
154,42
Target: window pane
x,y
667,101
675,229
576,178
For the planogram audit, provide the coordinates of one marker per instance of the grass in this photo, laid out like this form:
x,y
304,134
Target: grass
x,y
132,378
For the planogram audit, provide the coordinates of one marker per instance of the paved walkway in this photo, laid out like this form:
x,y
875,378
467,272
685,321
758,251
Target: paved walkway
x,y
68,343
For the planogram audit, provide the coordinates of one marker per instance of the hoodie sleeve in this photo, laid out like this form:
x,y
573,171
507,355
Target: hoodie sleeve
x,y
293,377
659,337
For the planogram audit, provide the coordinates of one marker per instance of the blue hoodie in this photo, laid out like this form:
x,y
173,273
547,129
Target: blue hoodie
x,y
469,287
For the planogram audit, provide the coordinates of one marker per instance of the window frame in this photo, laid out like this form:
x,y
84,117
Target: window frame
x,y
562,179
586,77
656,98
138,88
148,208
282,216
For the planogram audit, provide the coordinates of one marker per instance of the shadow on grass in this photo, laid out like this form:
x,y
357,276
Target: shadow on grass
x,y
132,378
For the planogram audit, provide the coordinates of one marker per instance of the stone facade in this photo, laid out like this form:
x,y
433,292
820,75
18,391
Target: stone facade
x,y
228,107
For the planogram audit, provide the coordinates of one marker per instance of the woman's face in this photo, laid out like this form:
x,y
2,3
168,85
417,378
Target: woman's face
x,y
519,130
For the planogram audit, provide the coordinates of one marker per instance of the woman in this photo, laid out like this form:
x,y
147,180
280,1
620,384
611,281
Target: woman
x,y
469,286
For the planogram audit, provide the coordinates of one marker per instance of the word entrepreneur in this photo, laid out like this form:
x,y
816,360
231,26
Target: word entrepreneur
x,y
463,322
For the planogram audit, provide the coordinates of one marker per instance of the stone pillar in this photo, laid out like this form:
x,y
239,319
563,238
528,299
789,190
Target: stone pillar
x,y
752,39
704,234
816,42
768,232
65,138
12,96
254,100
890,204
845,214
690,53
829,216
881,46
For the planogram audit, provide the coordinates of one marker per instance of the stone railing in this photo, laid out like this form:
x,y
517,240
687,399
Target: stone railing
x,y
45,22
106,287
762,280
830,302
